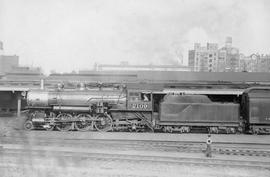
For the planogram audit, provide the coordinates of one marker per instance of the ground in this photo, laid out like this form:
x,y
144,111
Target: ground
x,y
24,159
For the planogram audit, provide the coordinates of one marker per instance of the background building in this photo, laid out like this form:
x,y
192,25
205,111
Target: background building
x,y
255,63
8,62
248,63
229,56
204,58
263,63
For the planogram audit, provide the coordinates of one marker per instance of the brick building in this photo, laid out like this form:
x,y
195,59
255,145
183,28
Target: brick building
x,y
204,58
211,59
7,62
229,57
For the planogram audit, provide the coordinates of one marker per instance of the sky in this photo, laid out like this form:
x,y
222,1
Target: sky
x,y
67,35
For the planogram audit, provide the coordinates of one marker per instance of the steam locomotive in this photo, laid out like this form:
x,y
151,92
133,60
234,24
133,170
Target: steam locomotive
x,y
113,109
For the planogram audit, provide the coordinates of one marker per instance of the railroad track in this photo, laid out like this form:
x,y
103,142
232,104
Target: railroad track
x,y
126,158
240,149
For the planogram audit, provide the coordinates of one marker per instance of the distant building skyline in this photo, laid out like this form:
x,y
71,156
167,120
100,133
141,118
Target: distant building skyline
x,y
207,58
226,59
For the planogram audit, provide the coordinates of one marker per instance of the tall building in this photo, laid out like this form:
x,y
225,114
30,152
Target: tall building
x,y
229,57
263,63
204,58
222,58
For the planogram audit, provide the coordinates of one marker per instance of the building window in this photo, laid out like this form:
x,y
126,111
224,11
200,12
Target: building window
x,y
210,55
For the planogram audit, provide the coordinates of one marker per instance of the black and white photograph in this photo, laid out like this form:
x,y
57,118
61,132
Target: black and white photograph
x,y
134,88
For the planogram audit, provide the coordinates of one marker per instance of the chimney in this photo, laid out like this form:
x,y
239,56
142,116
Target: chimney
x,y
1,45
228,42
1,48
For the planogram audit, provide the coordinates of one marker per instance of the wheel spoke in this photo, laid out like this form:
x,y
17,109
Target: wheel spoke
x,y
103,123
65,124
84,122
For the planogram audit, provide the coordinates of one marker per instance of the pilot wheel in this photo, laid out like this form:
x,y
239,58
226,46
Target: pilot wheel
x,y
28,125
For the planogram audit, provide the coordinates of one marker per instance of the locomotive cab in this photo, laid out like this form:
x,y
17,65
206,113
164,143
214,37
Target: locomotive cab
x,y
139,100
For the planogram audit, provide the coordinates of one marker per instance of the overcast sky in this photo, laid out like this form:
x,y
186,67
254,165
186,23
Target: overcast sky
x,y
66,35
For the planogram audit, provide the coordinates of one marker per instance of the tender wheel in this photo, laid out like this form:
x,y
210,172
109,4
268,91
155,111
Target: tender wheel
x,y
65,123
239,130
28,125
167,129
255,131
103,123
84,122
213,130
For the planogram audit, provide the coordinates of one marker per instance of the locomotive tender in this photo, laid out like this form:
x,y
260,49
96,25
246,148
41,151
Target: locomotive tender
x,y
111,109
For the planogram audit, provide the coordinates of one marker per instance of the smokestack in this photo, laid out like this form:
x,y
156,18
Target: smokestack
x,y
1,45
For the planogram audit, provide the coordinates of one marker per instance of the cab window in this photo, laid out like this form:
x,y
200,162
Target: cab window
x,y
134,96
137,96
145,97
